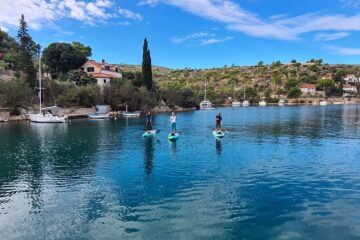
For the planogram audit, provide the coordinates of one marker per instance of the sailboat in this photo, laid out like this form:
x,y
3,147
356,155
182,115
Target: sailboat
x,y
281,102
206,104
235,103
45,115
130,114
246,103
262,103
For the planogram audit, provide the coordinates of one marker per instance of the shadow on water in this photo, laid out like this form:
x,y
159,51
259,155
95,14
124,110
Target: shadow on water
x,y
149,155
173,147
218,146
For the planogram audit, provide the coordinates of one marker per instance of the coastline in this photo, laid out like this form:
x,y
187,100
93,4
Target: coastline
x,y
81,112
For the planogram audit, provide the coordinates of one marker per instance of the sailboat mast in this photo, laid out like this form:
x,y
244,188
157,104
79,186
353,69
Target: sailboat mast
x,y
234,92
205,90
244,93
40,94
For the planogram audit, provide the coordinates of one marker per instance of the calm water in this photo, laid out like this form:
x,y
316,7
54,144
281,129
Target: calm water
x,y
281,173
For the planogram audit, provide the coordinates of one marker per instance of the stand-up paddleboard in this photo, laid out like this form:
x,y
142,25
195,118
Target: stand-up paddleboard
x,y
173,137
218,134
150,133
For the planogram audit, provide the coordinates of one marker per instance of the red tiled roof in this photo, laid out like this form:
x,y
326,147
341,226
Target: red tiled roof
x,y
95,63
101,75
307,85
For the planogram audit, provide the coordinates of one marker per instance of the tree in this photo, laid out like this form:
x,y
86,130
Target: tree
x,y
291,84
293,61
146,67
85,51
294,92
276,78
339,79
326,85
260,63
28,49
63,57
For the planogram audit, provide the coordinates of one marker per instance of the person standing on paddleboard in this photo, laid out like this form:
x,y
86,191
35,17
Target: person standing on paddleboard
x,y
173,123
149,121
218,122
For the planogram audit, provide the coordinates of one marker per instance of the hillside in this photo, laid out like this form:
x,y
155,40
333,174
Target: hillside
x,y
260,81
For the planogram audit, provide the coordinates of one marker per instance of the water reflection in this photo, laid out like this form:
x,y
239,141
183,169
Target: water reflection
x,y
173,147
218,144
149,155
293,173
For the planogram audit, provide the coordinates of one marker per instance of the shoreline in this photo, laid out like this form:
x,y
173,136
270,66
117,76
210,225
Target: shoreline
x,y
80,112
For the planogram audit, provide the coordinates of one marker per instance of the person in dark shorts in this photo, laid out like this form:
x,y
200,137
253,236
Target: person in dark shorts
x,y
149,121
218,122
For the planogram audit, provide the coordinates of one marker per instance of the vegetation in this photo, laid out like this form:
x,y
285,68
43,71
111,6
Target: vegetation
x,y
146,67
15,94
146,86
60,58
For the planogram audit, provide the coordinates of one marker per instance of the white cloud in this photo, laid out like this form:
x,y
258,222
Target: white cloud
x,y
191,36
129,14
40,13
4,29
330,36
351,3
149,2
344,50
276,27
214,40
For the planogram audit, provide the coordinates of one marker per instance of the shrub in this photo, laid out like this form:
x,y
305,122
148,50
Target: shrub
x,y
294,92
15,94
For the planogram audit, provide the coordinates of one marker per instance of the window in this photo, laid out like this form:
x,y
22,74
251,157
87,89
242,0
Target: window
x,y
104,80
90,69
107,68
82,69
116,69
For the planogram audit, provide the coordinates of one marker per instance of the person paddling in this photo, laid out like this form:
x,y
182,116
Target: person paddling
x,y
149,121
173,123
218,122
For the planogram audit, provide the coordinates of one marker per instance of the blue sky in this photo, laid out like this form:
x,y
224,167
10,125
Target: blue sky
x,y
196,33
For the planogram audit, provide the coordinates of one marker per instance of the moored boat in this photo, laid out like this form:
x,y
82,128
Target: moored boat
x,y
130,114
101,113
281,102
262,103
45,115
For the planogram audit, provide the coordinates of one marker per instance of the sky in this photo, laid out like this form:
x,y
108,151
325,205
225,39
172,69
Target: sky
x,y
196,33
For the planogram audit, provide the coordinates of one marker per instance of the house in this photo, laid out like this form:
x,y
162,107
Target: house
x,y
349,88
307,88
103,72
351,78
102,78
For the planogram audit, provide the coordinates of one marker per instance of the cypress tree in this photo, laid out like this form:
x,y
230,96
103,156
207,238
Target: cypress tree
x,y
147,76
27,50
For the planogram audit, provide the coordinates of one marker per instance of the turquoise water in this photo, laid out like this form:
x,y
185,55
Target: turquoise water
x,y
281,173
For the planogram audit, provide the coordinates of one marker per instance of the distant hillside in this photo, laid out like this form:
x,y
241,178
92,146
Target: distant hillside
x,y
260,81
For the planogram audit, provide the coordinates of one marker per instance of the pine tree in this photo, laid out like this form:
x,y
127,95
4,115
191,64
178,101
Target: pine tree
x,y
146,67
27,51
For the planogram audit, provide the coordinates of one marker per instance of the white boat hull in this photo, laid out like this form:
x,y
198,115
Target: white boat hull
x,y
135,114
98,116
323,103
236,104
246,103
262,104
47,118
